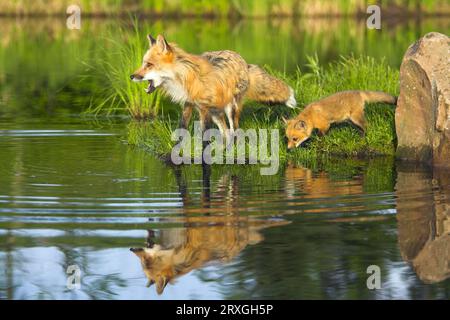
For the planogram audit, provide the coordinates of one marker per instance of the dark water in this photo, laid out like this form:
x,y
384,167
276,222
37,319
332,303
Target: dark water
x,y
72,193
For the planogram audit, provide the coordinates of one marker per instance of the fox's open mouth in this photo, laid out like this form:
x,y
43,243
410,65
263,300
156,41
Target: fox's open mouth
x,y
151,87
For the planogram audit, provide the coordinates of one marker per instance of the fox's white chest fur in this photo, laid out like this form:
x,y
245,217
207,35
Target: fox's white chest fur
x,y
176,91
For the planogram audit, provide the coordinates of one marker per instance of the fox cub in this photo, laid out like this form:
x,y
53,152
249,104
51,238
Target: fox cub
x,y
339,107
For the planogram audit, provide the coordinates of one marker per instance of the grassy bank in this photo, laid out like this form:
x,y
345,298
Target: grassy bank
x,y
122,53
363,73
218,8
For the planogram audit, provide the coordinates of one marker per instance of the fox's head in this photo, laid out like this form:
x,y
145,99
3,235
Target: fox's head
x,y
156,65
157,269
297,132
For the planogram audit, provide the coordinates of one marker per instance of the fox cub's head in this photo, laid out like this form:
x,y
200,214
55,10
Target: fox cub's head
x,y
156,64
297,132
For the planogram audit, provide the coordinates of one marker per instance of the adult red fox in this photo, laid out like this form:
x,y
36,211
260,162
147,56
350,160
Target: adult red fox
x,y
215,83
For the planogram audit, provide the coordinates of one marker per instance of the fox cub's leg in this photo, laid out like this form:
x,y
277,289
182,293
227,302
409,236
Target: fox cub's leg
x,y
186,116
323,129
360,120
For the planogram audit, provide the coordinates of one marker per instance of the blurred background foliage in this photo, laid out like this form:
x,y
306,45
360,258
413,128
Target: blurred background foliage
x,y
216,8
44,66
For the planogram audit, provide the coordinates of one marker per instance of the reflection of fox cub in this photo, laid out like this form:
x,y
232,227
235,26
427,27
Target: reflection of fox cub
x,y
215,83
304,181
345,105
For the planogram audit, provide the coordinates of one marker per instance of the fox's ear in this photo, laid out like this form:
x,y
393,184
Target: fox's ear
x,y
162,43
300,125
150,282
161,284
151,40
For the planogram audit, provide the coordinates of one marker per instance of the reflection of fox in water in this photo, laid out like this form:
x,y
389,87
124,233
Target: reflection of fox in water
x,y
315,185
198,246
205,237
319,193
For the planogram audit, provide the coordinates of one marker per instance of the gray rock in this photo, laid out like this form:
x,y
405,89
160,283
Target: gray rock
x,y
422,116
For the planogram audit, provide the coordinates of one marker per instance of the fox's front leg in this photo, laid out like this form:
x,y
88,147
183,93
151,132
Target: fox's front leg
x,y
204,119
186,116
323,130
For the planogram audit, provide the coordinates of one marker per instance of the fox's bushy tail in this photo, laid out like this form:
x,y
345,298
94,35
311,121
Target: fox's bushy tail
x,y
266,88
378,96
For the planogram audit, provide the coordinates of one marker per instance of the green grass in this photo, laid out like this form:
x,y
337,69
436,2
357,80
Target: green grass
x,y
362,73
117,61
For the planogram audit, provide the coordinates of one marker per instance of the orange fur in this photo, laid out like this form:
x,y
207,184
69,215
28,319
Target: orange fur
x,y
341,106
213,81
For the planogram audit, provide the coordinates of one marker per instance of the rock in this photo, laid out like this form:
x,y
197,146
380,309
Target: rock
x,y
422,116
423,220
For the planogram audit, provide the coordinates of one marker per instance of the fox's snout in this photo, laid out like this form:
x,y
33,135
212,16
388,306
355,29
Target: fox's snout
x,y
136,249
136,77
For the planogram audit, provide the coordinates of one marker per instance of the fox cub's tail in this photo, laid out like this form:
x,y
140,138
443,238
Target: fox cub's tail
x,y
266,88
378,96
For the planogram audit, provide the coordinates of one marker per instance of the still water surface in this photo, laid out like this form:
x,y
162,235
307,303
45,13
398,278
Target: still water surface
x,y
73,193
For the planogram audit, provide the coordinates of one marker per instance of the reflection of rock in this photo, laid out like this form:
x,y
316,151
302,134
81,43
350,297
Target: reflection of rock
x,y
432,263
423,216
422,117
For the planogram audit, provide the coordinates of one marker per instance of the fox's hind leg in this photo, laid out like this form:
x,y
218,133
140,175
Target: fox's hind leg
x,y
360,120
230,111
237,115
238,106
220,123
219,120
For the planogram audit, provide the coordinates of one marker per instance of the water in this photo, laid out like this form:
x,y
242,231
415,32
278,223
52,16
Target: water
x,y
73,193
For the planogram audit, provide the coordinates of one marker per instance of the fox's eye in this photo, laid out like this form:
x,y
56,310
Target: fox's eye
x,y
148,64
295,139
